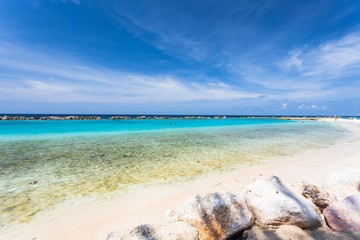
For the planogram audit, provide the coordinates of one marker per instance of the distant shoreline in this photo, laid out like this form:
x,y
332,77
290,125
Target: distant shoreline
x,y
7,117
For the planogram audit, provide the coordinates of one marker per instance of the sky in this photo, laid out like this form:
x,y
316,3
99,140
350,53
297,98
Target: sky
x,y
259,57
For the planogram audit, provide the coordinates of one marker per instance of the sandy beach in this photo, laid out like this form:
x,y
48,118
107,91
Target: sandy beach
x,y
149,204
179,120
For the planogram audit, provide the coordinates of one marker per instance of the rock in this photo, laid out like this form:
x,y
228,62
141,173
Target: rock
x,y
316,195
216,215
273,203
115,236
283,232
344,215
286,232
119,118
338,193
33,182
350,177
172,231
343,184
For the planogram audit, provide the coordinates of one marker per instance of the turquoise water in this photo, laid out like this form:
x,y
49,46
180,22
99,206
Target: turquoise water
x,y
41,129
43,163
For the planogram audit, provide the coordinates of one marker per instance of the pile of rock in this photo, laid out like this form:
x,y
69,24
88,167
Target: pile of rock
x,y
196,117
120,118
267,209
70,118
300,118
50,118
15,118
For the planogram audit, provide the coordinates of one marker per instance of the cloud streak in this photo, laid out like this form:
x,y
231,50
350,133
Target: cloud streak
x,y
37,76
332,59
328,71
234,40
32,75
237,54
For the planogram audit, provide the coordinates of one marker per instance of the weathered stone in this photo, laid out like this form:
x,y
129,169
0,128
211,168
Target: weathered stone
x,y
286,232
344,215
273,203
115,236
342,184
216,215
350,177
283,232
172,231
318,196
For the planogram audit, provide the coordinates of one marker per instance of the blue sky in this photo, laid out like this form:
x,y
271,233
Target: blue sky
x,y
180,57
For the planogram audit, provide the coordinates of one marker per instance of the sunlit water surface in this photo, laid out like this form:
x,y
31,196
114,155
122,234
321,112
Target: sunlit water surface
x,y
43,163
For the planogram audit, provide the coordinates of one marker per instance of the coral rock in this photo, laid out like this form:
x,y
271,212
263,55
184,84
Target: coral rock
x,y
344,215
216,215
318,196
343,184
273,203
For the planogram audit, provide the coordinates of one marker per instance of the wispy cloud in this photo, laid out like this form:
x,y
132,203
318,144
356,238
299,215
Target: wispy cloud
x,y
222,32
77,2
37,76
284,106
235,42
45,76
294,61
328,71
332,59
263,54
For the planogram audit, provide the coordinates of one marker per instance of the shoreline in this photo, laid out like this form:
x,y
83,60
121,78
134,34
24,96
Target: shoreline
x,y
81,117
148,204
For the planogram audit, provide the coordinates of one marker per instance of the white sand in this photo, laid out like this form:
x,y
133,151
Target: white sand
x,y
141,205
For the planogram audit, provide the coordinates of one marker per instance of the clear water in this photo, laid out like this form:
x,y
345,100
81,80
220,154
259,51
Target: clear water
x,y
33,129
43,163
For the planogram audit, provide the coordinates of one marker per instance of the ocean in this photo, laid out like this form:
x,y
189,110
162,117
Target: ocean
x,y
44,163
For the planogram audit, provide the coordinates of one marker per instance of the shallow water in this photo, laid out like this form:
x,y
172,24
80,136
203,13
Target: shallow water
x,y
43,163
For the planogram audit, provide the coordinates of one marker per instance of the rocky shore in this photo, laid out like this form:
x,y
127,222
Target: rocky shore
x,y
51,118
144,117
268,208
16,118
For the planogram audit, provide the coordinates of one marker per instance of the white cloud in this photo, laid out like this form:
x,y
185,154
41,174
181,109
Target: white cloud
x,y
332,59
294,61
329,71
30,75
311,72
52,88
311,107
77,2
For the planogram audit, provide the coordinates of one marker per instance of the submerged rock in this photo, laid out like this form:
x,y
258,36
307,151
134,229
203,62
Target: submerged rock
x,y
216,215
342,184
273,203
172,231
344,215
